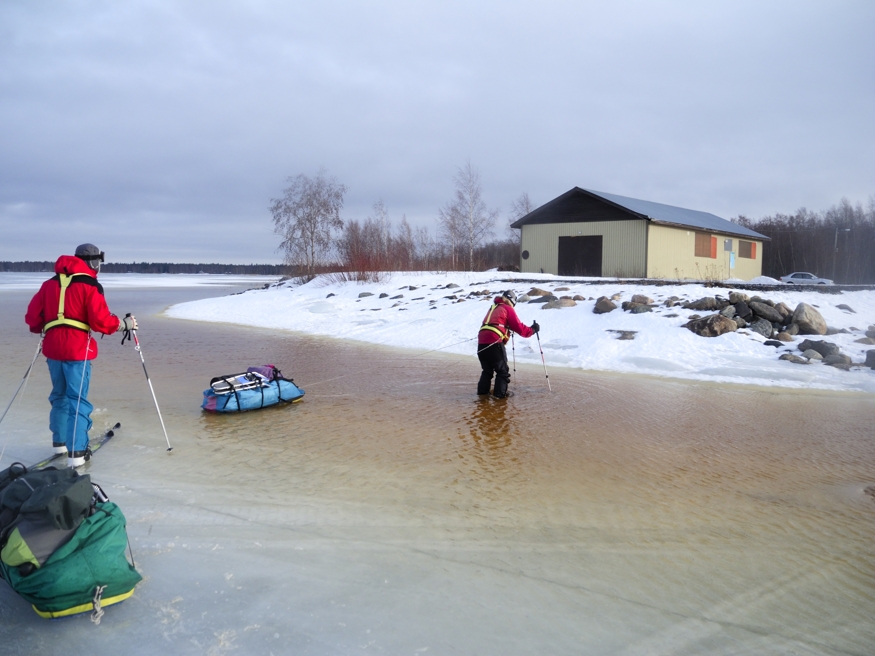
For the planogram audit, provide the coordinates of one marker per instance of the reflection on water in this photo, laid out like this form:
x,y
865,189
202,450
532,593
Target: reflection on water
x,y
612,515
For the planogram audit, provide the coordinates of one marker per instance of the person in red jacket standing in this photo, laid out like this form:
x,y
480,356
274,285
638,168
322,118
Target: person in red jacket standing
x,y
499,322
67,309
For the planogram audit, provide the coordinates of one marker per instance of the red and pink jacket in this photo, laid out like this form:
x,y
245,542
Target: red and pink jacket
x,y
83,304
500,319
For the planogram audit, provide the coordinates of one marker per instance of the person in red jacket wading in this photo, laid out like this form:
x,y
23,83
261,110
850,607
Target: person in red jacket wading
x,y
499,322
68,308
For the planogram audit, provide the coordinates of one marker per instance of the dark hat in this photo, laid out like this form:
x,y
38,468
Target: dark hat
x,y
91,254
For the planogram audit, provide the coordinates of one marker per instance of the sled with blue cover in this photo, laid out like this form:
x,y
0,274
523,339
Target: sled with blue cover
x,y
257,387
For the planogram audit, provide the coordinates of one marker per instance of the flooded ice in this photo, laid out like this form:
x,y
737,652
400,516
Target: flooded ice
x,y
393,511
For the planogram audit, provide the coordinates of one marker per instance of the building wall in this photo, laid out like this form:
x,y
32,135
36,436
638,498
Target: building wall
x,y
624,246
671,253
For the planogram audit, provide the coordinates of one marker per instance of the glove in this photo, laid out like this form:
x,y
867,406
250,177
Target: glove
x,y
128,324
535,327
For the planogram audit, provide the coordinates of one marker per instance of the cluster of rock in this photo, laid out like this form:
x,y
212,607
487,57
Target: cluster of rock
x,y
549,299
757,314
777,322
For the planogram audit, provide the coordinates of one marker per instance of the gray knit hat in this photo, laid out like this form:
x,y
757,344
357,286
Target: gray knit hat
x,y
92,255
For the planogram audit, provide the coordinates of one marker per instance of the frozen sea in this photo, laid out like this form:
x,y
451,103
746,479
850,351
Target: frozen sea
x,y
641,510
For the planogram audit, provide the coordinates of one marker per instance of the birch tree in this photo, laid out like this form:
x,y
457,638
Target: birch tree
x,y
306,217
465,220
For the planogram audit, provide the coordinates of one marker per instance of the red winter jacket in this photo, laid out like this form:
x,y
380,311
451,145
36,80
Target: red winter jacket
x,y
501,317
83,302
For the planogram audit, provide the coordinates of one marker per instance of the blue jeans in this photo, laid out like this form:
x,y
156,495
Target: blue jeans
x,y
70,418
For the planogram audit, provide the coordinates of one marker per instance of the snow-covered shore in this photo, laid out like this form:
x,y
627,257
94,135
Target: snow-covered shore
x,y
426,311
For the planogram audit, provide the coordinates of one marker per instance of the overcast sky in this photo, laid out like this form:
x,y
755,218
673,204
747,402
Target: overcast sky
x,y
160,130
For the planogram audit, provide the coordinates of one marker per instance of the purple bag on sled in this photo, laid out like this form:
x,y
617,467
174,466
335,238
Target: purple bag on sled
x,y
269,371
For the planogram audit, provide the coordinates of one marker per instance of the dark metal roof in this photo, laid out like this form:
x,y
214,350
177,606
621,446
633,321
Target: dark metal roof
x,y
659,213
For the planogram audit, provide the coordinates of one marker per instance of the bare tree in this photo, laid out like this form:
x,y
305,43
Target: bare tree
x,y
450,222
305,218
518,209
466,220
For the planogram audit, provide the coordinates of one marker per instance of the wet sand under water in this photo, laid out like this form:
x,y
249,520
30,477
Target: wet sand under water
x,y
392,510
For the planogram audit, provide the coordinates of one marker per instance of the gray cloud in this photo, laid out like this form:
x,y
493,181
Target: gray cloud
x,y
160,130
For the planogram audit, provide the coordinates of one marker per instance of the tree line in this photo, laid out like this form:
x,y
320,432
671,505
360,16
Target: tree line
x,y
838,243
156,267
314,238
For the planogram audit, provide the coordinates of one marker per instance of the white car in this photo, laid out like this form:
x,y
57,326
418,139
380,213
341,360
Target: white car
x,y
802,278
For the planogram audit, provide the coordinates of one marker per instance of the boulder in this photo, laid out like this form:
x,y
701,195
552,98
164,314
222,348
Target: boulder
x,y
785,311
577,297
708,303
792,330
544,299
562,289
762,327
365,294
789,357
784,337
728,311
383,295
537,291
640,309
870,358
809,320
837,358
738,297
823,347
868,341
766,312
870,334
811,354
742,310
711,326
773,342
846,308
741,323
604,305
642,299
558,304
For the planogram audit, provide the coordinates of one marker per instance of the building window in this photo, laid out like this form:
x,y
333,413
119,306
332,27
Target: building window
x,y
747,249
706,245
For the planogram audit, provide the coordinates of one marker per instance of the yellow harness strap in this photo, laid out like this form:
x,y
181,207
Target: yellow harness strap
x,y
62,320
488,326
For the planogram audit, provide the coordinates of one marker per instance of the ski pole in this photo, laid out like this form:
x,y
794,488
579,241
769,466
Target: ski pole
x,y
151,389
39,347
542,362
513,350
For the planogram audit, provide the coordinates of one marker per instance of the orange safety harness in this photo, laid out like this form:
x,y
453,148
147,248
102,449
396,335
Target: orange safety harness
x,y
498,328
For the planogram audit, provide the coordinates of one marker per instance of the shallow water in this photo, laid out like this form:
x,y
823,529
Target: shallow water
x,y
392,510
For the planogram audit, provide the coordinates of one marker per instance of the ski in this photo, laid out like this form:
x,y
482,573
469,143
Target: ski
x,y
94,446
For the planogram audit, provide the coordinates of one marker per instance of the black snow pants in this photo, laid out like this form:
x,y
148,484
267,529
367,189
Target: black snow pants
x,y
493,359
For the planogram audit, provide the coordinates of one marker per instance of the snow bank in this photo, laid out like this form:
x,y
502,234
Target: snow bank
x,y
425,311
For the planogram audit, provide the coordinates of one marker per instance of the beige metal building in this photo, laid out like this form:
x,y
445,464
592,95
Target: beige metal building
x,y
593,234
